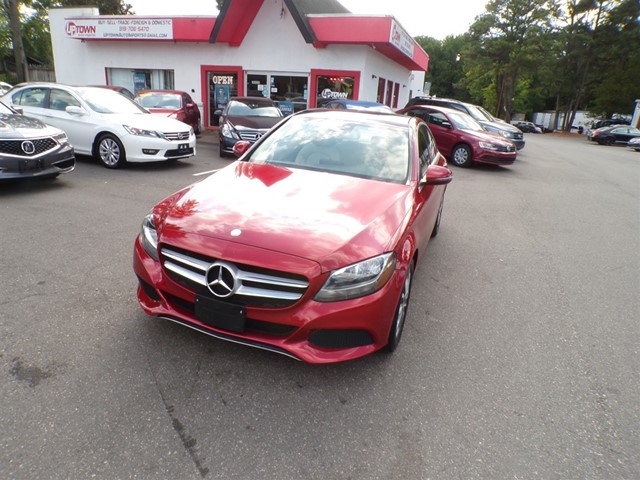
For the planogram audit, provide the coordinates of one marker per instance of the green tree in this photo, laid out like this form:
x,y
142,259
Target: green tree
x,y
508,41
27,29
445,70
11,10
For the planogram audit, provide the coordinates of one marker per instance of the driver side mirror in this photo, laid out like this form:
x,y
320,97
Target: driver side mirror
x,y
437,175
73,110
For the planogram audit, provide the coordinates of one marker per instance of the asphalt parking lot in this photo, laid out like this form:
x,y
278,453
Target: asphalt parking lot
x,y
519,358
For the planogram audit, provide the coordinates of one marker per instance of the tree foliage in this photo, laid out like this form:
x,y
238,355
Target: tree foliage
x,y
27,34
518,56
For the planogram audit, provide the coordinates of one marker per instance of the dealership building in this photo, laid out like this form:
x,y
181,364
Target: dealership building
x,y
297,52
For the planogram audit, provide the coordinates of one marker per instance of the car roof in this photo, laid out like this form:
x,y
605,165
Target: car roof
x,y
434,108
160,90
361,115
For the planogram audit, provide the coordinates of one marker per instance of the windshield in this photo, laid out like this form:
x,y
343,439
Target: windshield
x,y
5,110
359,148
159,100
465,122
253,108
487,114
102,100
478,114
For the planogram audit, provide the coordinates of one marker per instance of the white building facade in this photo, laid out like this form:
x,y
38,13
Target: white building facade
x,y
268,48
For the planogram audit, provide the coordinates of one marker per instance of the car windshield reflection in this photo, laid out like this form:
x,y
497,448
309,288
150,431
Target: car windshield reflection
x,y
107,101
346,147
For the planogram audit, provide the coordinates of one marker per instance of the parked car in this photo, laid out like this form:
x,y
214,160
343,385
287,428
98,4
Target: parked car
x,y
5,87
358,105
634,143
613,134
307,245
116,88
526,127
484,118
461,139
105,124
173,104
30,148
608,122
245,118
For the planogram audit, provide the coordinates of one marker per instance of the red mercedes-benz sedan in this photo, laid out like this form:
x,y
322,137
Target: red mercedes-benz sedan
x,y
305,246
462,139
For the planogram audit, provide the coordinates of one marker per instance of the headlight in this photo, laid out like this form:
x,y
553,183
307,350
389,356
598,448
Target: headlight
x,y
61,138
149,237
488,146
358,280
143,132
227,131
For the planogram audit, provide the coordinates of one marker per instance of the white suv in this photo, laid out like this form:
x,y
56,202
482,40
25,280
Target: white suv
x,y
104,123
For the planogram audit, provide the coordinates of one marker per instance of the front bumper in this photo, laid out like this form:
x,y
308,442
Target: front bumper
x,y
311,331
141,148
50,164
495,158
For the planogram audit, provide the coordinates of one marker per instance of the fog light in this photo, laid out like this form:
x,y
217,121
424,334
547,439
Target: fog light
x,y
148,151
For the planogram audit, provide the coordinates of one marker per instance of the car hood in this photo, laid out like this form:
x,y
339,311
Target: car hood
x,y
331,219
253,122
148,121
20,126
489,137
500,126
163,111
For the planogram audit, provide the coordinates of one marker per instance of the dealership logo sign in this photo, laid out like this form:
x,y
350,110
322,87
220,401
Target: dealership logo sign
x,y
123,28
74,30
330,94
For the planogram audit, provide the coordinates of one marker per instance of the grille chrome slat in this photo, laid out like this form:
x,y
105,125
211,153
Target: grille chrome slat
x,y
269,279
186,273
190,261
262,293
254,287
176,135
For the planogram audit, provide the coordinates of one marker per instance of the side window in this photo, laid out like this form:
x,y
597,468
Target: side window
x,y
186,99
416,112
30,97
438,119
423,148
59,100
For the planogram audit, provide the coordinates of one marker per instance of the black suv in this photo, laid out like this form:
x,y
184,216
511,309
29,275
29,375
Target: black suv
x,y
484,118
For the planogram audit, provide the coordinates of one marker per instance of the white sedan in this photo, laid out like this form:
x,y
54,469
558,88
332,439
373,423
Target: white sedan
x,y
104,124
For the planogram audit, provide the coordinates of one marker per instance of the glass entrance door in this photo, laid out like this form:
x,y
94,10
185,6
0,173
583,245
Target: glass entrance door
x,y
289,91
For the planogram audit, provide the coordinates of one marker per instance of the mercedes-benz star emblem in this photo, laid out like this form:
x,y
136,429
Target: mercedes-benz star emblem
x,y
222,279
28,147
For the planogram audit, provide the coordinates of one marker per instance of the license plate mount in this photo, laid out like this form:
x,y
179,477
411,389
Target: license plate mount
x,y
225,316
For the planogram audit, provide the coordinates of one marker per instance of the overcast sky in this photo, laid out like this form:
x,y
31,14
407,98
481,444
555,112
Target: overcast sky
x,y
434,18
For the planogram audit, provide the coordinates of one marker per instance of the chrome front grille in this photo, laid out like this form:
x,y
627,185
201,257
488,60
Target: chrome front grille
x,y
176,135
251,135
252,286
18,148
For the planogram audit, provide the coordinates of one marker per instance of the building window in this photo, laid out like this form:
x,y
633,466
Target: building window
x,y
141,79
333,87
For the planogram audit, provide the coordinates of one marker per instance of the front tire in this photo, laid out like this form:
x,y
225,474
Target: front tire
x,y
401,311
461,156
111,151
